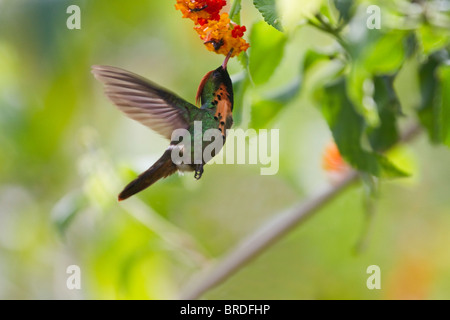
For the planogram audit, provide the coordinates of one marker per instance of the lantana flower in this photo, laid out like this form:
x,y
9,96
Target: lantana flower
x,y
202,10
218,32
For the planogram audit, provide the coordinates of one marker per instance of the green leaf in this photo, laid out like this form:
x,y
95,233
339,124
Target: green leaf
x,y
444,77
243,59
434,106
267,108
360,91
432,39
263,111
403,157
345,9
389,169
347,128
267,48
268,9
235,11
386,134
379,54
386,54
411,45
320,68
312,57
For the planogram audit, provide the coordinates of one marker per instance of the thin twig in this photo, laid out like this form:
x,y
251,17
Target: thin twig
x,y
235,10
269,233
333,31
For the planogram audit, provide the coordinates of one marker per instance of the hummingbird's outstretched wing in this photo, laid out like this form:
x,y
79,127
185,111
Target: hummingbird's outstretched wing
x,y
141,100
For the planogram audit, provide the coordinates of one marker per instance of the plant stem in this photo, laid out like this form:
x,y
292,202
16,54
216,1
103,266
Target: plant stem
x,y
234,11
326,27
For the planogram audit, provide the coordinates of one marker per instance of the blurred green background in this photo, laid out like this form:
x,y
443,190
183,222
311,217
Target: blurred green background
x,y
66,152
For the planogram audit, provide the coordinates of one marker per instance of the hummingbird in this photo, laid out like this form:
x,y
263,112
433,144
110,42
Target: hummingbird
x,y
163,111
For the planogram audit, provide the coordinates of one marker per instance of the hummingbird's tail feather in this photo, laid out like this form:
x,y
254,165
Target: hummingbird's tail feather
x,y
162,168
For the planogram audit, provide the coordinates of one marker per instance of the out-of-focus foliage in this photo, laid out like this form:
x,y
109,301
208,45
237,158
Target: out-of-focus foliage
x,y
315,71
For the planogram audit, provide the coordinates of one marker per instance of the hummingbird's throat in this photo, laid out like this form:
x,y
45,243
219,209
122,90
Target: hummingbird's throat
x,y
223,110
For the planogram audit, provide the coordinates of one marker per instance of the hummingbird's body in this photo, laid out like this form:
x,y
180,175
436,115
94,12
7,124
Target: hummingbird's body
x,y
165,112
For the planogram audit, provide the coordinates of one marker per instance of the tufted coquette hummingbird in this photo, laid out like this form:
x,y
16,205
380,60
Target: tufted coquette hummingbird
x,y
164,112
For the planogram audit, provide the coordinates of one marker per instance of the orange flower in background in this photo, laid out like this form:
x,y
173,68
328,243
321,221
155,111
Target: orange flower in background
x,y
333,163
411,278
218,32
332,159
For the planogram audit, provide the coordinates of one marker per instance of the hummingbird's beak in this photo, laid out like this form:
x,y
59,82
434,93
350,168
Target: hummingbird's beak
x,y
225,62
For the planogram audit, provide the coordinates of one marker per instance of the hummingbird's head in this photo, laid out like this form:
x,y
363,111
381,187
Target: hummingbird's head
x,y
214,81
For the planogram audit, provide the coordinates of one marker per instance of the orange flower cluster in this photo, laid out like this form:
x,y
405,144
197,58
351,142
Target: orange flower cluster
x,y
216,30
200,11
